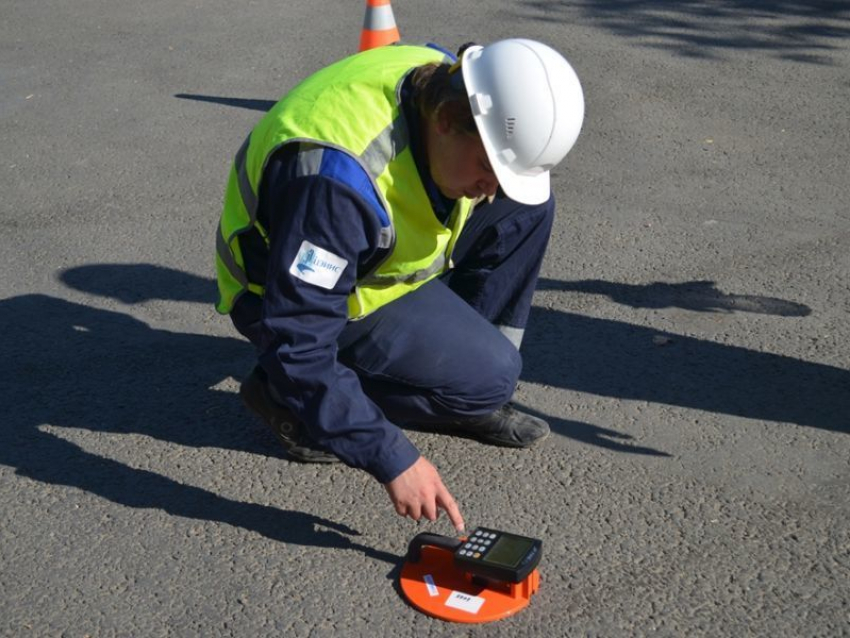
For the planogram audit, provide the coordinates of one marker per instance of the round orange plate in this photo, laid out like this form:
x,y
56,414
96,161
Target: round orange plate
x,y
454,597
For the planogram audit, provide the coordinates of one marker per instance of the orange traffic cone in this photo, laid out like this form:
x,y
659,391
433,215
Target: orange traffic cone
x,y
379,27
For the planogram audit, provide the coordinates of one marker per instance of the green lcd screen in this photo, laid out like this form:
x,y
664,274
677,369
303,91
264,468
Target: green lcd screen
x,y
508,551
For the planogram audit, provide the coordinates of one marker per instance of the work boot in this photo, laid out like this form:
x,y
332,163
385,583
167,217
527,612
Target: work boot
x,y
257,398
507,427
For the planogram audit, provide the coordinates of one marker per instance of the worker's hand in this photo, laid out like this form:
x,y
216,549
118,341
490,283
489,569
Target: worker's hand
x,y
419,491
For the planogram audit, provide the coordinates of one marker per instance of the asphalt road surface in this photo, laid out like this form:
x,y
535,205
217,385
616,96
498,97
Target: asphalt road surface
x,y
689,342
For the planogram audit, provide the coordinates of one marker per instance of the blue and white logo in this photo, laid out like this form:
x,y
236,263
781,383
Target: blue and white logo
x,y
304,261
317,266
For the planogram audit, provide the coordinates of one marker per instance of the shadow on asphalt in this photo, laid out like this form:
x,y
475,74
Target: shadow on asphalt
x,y
627,361
136,283
795,30
242,103
605,438
699,296
69,365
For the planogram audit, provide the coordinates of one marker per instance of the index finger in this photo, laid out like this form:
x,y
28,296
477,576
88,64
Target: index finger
x,y
445,500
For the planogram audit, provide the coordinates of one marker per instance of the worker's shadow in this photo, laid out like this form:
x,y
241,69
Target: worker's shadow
x,y
242,103
71,366
622,360
699,296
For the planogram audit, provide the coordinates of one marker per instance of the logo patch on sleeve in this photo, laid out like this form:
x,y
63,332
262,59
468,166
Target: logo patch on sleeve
x,y
317,266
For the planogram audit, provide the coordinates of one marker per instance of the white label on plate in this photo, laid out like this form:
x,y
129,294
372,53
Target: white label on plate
x,y
464,602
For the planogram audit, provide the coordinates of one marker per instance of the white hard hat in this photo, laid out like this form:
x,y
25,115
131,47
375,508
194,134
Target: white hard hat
x,y
528,106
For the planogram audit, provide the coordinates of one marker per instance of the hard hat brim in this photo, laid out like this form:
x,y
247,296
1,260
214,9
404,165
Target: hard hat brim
x,y
525,189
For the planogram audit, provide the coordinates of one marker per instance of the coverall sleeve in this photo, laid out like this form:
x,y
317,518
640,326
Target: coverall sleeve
x,y
301,322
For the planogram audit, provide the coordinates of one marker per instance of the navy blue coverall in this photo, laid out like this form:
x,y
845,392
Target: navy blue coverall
x,y
445,351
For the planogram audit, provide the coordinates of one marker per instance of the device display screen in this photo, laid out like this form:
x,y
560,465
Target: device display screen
x,y
509,551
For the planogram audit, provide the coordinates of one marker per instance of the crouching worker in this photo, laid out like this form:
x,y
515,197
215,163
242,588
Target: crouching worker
x,y
349,255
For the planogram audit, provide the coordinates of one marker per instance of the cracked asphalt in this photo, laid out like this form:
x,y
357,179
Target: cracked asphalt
x,y
688,344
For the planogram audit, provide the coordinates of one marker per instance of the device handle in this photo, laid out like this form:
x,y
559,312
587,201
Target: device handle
x,y
414,550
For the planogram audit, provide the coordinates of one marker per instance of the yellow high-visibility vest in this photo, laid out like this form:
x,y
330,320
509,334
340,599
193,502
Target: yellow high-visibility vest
x,y
352,106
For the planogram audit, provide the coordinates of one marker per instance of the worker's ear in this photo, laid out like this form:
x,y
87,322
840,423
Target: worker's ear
x,y
443,120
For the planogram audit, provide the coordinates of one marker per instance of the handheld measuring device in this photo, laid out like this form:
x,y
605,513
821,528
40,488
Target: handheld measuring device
x,y
485,576
499,556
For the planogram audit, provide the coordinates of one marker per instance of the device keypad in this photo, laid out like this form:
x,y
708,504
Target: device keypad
x,y
478,544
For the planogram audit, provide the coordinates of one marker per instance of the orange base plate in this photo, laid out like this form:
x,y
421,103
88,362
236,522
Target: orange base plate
x,y
454,597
